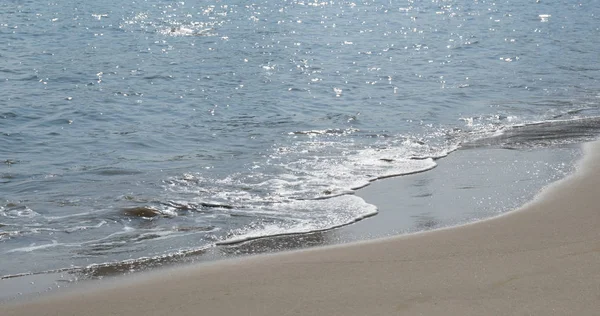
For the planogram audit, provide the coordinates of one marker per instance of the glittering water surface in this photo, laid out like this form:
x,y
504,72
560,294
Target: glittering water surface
x,y
133,129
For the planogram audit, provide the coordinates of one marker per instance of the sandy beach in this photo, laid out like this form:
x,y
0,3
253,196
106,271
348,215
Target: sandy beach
x,y
539,260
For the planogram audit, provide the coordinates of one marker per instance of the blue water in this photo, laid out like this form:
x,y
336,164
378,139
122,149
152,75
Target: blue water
x,y
133,129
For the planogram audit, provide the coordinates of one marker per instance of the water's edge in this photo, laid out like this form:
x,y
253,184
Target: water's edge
x,y
26,285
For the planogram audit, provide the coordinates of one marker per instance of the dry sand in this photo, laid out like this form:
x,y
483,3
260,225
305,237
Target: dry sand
x,y
543,259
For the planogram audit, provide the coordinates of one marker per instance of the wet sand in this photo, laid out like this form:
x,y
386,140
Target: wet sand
x,y
539,260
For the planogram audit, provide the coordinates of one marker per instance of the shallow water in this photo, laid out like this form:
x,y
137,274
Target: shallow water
x,y
141,129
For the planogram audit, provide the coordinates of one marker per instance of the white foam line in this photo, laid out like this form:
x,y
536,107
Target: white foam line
x,y
34,248
590,118
325,197
78,228
233,241
51,218
391,175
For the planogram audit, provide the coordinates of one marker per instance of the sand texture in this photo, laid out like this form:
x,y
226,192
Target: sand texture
x,y
543,259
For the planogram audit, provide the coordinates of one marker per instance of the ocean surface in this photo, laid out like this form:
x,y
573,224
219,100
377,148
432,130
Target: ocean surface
x,y
132,130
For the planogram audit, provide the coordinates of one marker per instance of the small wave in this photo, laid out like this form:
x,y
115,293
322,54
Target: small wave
x,y
541,134
8,71
157,76
114,172
330,195
156,235
8,234
29,78
335,131
570,113
98,270
137,94
175,208
187,31
83,227
56,218
215,205
148,212
271,231
15,212
8,115
425,164
37,247
348,209
138,264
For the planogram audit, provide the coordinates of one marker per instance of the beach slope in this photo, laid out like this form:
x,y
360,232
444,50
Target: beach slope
x,y
543,259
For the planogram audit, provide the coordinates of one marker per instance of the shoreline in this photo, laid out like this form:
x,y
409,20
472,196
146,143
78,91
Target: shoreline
x,y
535,259
423,201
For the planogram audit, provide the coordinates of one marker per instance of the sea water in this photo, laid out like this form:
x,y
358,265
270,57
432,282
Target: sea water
x,y
142,129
